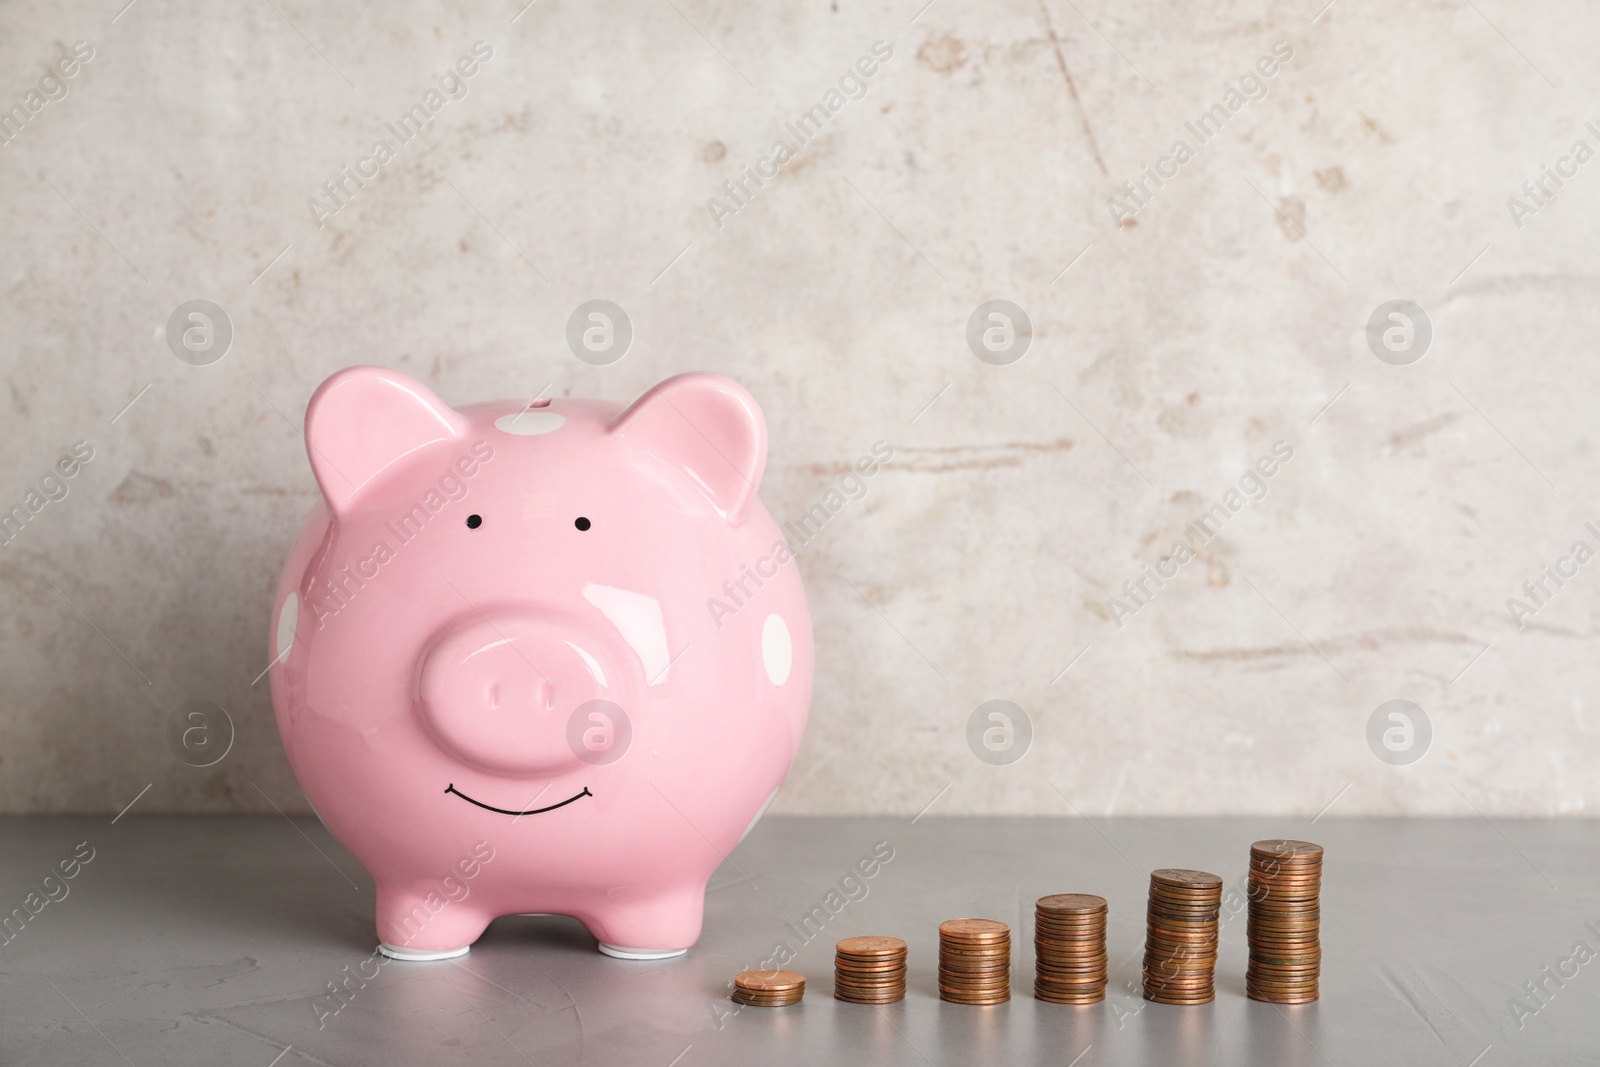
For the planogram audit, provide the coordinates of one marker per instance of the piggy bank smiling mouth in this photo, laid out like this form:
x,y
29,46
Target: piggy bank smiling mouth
x,y
451,788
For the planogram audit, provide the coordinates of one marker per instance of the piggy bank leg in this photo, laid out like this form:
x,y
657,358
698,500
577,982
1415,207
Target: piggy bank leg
x,y
652,928
425,926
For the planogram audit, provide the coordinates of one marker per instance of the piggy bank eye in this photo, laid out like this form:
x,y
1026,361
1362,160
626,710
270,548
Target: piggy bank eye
x,y
581,523
474,521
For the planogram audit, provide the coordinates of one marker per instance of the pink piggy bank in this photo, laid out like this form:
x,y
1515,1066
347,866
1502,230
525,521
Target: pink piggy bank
x,y
546,656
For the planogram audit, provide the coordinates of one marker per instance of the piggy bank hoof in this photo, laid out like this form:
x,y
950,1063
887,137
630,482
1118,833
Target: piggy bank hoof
x,y
621,953
418,955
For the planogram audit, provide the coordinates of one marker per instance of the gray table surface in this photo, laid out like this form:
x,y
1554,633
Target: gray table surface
x,y
213,940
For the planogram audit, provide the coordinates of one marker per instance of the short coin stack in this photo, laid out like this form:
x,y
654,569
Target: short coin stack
x,y
870,970
769,989
1180,948
1285,916
1069,941
974,961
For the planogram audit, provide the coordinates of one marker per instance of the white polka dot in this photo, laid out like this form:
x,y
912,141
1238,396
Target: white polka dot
x,y
288,618
529,423
777,652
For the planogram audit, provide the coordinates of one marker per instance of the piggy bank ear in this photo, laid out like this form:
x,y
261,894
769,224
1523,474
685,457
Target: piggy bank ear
x,y
364,420
710,428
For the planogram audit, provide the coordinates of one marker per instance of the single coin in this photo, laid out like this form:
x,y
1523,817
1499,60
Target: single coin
x,y
769,981
957,999
768,1001
1287,847
872,945
1071,902
973,930
1183,877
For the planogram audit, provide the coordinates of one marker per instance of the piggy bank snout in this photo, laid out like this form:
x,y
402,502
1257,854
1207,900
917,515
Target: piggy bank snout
x,y
498,692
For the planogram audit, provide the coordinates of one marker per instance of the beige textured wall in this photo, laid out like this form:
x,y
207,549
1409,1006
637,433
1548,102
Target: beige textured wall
x,y
1227,314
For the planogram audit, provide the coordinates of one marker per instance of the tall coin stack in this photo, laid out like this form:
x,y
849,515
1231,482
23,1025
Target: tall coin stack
x,y
1180,948
1069,940
869,970
974,961
1285,917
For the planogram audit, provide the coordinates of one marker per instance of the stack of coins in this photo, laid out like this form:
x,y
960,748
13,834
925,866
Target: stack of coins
x,y
769,989
974,961
1285,916
869,970
1180,948
1069,940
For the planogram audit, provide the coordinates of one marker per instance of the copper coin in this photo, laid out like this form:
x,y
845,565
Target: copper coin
x,y
1059,986
1056,985
1283,887
1308,936
997,947
1291,881
769,981
1068,932
1180,876
872,945
1180,981
1181,1002
887,964
1267,985
1285,968
767,1001
973,930
1279,847
971,973
1071,974
1270,999
1199,979
1286,926
1053,963
1071,902
958,998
